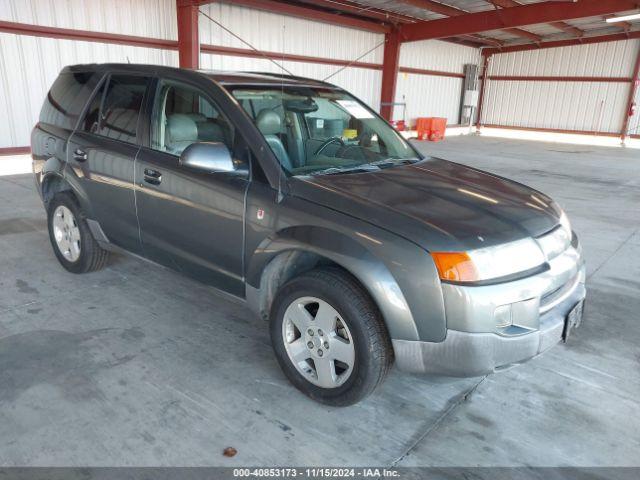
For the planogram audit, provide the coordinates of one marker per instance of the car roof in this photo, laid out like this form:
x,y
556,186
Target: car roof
x,y
227,78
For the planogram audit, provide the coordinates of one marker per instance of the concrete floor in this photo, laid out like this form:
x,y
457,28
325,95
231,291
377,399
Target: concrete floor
x,y
136,365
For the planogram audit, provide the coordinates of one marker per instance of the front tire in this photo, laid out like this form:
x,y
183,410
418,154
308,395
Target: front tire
x,y
72,242
329,337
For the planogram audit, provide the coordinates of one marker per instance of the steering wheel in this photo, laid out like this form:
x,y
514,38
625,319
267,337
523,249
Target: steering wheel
x,y
328,142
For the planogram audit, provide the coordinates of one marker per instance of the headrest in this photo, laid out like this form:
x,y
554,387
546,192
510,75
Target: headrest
x,y
196,117
180,128
268,122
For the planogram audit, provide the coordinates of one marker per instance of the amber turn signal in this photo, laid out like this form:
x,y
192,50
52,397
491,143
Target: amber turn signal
x,y
455,266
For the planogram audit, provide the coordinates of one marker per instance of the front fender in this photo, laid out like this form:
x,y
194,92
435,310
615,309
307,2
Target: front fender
x,y
396,273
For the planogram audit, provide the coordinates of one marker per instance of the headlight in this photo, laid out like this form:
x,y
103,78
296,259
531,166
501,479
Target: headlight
x,y
565,224
489,263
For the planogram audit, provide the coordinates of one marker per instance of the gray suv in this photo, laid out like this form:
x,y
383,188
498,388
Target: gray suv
x,y
296,197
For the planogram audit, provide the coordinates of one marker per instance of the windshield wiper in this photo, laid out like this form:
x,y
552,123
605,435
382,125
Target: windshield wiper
x,y
366,167
391,161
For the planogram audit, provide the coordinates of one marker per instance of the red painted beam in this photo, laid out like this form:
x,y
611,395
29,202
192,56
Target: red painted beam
x,y
485,70
345,6
544,12
565,27
632,93
433,73
551,78
14,150
390,66
247,52
312,14
614,37
188,37
451,11
86,36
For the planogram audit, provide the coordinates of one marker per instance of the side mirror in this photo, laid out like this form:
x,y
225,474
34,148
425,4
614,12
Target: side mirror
x,y
207,157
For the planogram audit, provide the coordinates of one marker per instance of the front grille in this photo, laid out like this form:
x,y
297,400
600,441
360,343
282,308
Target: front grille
x,y
552,298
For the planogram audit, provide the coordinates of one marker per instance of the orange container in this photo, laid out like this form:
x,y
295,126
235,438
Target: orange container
x,y
399,125
431,128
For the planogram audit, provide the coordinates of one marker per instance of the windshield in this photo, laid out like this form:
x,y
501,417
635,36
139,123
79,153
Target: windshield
x,y
323,131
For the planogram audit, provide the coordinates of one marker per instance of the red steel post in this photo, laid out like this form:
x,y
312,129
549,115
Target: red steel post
x,y
635,79
485,69
391,61
188,39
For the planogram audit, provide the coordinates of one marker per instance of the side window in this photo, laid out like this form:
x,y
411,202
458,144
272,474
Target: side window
x,y
67,97
121,107
182,116
91,120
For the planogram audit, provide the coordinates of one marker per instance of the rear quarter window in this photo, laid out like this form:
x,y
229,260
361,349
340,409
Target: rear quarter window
x,y
67,97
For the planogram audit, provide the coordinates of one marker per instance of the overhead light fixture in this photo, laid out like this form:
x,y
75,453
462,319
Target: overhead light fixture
x,y
624,18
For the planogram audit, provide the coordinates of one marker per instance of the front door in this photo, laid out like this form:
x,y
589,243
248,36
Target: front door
x,y
101,154
191,221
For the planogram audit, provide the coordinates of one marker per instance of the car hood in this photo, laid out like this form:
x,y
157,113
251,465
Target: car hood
x,y
437,204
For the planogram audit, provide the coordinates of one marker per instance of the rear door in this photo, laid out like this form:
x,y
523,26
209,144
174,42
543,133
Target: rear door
x,y
59,116
192,221
102,152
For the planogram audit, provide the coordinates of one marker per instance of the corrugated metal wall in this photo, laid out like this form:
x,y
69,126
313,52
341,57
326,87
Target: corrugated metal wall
x,y
143,18
428,95
290,35
29,65
574,105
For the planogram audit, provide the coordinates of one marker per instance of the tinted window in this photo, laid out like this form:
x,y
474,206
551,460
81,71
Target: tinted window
x,y
121,107
67,97
182,116
91,120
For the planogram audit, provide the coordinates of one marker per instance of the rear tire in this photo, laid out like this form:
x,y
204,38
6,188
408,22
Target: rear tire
x,y
329,337
72,242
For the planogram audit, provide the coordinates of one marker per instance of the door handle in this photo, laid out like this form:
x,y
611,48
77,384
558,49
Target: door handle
x,y
80,155
153,177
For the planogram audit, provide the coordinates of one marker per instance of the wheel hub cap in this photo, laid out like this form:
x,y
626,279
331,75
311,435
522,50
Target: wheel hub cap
x,y
318,342
66,233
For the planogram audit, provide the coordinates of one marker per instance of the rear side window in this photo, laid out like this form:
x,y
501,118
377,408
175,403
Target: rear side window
x,y
67,97
121,107
114,109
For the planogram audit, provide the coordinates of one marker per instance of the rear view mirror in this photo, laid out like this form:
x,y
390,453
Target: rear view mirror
x,y
300,106
207,157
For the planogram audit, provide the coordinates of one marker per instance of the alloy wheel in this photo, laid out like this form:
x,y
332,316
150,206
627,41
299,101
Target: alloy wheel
x,y
318,342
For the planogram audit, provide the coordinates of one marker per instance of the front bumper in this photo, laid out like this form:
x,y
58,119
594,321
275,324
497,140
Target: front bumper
x,y
476,344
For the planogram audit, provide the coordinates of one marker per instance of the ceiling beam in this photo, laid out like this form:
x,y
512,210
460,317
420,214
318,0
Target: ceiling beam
x,y
513,17
624,26
450,11
614,37
483,41
565,27
344,6
310,13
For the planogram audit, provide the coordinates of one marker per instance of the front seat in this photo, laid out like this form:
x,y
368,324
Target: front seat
x,y
270,124
208,130
182,131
